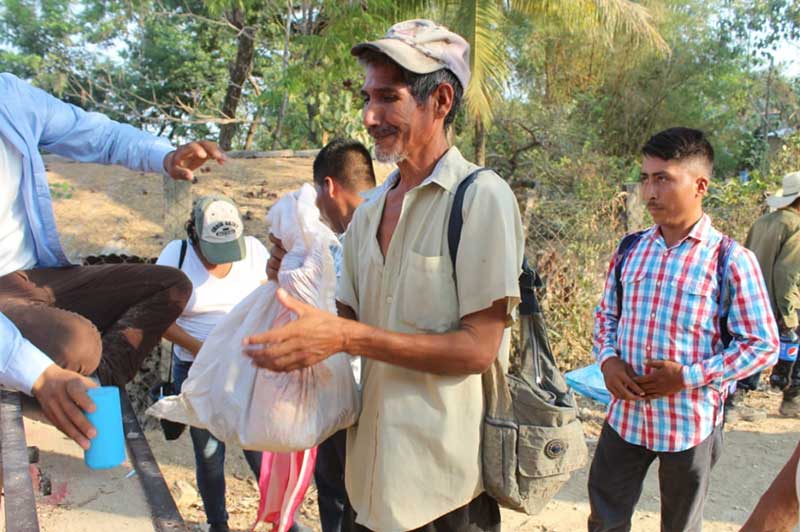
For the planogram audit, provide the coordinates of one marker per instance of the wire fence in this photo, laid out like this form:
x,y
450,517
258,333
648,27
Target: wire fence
x,y
571,241
177,206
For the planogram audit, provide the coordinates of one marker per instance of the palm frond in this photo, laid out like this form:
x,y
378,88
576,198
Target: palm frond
x,y
479,21
409,9
601,19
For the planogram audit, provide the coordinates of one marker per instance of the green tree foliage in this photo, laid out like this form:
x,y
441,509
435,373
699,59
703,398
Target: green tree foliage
x,y
483,23
612,70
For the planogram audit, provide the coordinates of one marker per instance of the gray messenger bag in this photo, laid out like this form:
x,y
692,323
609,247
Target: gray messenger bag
x,y
532,438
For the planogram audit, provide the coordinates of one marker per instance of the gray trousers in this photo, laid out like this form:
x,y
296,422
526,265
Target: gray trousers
x,y
618,471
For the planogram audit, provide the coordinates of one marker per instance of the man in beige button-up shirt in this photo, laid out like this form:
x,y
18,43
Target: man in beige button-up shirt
x,y
427,333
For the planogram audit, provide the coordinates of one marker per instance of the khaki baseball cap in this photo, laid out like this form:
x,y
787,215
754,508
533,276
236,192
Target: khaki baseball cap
x,y
219,228
423,46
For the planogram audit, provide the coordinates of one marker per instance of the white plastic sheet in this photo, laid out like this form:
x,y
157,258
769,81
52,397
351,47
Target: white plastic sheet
x,y
257,408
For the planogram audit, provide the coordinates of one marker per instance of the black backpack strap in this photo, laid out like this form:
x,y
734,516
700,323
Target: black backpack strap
x,y
181,258
528,280
184,246
726,247
624,248
457,216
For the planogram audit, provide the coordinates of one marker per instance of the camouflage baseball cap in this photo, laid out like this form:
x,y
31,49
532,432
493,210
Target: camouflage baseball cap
x,y
423,46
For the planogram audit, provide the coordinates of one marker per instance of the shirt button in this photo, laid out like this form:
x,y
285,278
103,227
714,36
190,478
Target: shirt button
x,y
653,315
658,284
648,348
389,299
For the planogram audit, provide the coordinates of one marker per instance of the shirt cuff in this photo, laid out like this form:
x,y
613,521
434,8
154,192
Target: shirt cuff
x,y
27,365
693,376
604,355
158,152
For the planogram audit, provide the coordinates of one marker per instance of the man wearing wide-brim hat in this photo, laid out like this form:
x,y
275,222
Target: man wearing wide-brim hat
x,y
788,194
775,240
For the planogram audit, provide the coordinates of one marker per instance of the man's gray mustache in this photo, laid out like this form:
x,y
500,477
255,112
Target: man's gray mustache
x,y
381,131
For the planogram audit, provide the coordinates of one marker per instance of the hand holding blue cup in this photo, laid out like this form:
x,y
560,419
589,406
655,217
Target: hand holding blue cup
x,y
107,449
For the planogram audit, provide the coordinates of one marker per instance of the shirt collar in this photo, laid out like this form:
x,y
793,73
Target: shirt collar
x,y
445,174
700,231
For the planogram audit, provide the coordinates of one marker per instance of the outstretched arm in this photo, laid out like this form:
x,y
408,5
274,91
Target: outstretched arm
x,y
316,335
68,130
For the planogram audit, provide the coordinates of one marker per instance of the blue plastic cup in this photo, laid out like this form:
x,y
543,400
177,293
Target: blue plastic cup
x,y
107,449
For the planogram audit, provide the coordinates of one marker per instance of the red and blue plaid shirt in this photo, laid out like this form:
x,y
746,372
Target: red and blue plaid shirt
x,y
670,312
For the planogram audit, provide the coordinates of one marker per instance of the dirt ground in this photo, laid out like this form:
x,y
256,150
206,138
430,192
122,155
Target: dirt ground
x,y
100,210
753,454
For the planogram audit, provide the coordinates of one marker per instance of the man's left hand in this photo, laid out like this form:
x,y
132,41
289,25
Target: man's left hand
x,y
181,163
313,337
665,378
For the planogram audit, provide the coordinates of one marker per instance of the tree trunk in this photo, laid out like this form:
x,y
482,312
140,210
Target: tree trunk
x,y
312,110
480,142
239,71
251,131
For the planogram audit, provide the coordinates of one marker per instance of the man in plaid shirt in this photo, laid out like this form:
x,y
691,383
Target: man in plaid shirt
x,y
661,349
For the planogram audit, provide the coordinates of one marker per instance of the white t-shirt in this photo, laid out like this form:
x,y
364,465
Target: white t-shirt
x,y
213,298
17,249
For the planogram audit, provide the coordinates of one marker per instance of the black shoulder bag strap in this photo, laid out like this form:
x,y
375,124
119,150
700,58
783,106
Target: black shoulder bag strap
x,y
528,280
723,258
625,246
184,246
457,216
181,258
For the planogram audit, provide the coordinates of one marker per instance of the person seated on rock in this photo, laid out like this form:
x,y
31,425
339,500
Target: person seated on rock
x,y
58,322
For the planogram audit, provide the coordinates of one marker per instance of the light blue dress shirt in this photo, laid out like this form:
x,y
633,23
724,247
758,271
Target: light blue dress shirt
x,y
31,119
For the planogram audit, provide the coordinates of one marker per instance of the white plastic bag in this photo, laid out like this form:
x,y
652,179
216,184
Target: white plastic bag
x,y
256,408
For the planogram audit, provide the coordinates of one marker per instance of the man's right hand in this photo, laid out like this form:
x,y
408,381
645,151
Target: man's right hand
x,y
276,254
619,376
62,395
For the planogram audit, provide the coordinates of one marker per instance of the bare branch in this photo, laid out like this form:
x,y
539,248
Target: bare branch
x,y
162,110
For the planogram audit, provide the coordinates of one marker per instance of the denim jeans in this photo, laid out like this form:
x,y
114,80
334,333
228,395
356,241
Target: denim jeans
x,y
209,456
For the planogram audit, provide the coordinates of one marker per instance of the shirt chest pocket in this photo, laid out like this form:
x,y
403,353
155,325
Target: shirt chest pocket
x,y
694,305
427,290
688,305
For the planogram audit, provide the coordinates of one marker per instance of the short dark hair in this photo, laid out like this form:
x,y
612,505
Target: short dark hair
x,y
678,144
347,162
421,85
